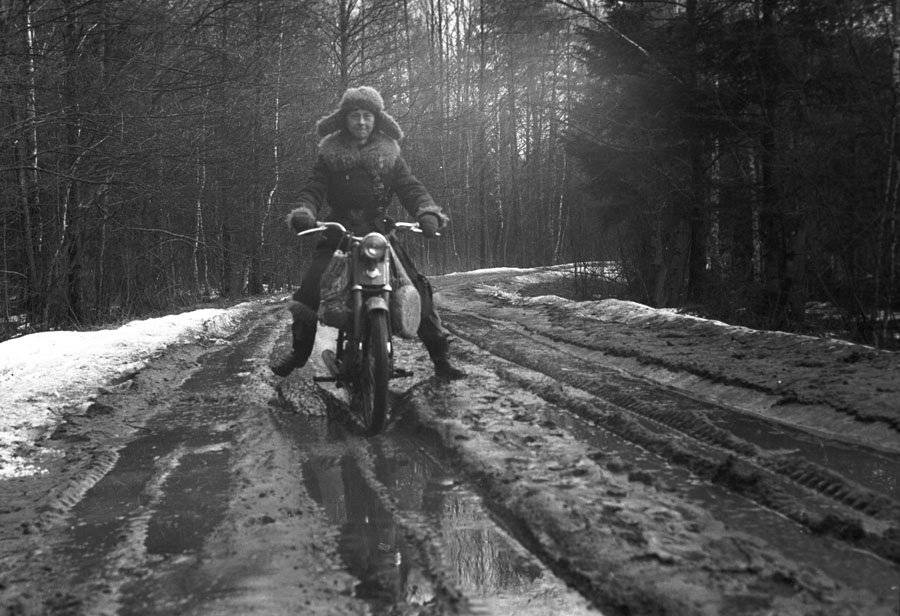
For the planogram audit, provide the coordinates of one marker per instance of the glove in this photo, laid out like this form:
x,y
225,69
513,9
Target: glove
x,y
429,224
301,219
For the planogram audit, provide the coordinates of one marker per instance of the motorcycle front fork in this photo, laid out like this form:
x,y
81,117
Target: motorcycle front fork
x,y
348,350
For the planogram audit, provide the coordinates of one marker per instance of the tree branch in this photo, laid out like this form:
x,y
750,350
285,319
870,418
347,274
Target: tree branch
x,y
581,9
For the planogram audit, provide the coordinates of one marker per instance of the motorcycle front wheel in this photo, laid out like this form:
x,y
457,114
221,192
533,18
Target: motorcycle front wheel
x,y
370,395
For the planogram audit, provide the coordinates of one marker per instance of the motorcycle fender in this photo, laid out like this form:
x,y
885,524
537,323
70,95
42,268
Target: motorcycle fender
x,y
376,303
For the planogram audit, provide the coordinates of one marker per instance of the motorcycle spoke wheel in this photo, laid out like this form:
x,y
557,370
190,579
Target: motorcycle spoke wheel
x,y
371,392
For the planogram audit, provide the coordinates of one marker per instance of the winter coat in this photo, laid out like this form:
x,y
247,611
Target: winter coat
x,y
357,182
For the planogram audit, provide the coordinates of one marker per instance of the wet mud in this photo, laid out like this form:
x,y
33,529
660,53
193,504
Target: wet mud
x,y
544,483
776,474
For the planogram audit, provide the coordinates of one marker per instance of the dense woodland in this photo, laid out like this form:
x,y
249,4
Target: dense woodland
x,y
736,158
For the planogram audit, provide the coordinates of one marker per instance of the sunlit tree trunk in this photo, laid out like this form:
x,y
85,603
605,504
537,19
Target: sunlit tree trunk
x,y
200,287
72,232
512,144
28,175
481,158
276,137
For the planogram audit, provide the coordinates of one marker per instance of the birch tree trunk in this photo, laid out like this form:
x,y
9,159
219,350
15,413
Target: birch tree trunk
x,y
481,159
276,139
200,288
29,182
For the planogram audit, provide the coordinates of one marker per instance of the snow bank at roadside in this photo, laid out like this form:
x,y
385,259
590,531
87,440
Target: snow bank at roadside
x,y
640,315
42,374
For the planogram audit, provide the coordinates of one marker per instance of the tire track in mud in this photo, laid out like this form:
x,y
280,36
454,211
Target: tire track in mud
x,y
122,525
132,552
85,445
817,497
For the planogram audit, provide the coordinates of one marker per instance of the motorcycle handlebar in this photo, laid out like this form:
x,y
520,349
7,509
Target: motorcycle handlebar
x,y
322,226
410,226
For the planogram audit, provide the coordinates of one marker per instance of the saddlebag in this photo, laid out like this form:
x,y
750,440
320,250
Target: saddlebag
x,y
334,308
406,305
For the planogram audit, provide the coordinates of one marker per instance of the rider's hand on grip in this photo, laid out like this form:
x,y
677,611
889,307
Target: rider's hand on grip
x,y
429,224
301,219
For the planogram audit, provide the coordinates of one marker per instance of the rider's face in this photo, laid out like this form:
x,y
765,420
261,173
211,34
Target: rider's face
x,y
360,124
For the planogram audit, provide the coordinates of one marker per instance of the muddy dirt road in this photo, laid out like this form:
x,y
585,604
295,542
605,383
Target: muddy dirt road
x,y
550,481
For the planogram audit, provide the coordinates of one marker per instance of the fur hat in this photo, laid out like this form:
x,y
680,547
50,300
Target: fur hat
x,y
362,97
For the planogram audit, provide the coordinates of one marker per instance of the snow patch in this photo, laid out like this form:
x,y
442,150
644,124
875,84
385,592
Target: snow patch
x,y
513,297
490,270
632,313
43,374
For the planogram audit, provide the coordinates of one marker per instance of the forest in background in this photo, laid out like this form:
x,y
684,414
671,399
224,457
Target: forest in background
x,y
739,159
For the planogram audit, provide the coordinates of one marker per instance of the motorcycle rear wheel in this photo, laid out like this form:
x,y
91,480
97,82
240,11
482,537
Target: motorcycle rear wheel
x,y
370,395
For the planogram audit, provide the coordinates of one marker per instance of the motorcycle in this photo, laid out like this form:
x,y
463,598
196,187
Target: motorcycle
x,y
367,296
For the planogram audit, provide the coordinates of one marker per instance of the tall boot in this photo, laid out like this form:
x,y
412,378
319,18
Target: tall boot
x,y
439,351
303,337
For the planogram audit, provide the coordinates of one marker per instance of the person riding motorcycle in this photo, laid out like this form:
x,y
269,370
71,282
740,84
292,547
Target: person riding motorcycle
x,y
358,169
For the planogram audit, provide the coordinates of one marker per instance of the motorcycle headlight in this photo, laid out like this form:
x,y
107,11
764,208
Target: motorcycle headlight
x,y
374,246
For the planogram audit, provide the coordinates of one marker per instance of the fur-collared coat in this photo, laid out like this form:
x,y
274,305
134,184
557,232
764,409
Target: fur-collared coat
x,y
358,182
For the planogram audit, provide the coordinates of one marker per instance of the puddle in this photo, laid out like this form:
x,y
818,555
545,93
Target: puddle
x,y
227,366
194,504
493,571
370,543
492,568
873,469
853,567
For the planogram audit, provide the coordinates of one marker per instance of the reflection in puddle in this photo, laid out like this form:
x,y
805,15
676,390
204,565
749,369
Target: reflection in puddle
x,y
486,560
491,569
371,544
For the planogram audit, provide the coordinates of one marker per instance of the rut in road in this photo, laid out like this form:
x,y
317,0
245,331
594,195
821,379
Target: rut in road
x,y
863,511
135,534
